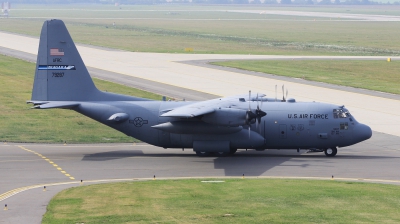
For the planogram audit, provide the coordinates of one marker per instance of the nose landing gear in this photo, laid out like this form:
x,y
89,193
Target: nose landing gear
x,y
330,152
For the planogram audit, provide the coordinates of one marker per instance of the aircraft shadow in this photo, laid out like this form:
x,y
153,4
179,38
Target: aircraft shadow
x,y
248,163
257,164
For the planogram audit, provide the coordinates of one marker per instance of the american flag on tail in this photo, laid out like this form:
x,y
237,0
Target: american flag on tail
x,y
56,52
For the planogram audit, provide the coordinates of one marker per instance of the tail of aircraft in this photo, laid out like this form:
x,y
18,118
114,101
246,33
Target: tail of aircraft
x,y
60,73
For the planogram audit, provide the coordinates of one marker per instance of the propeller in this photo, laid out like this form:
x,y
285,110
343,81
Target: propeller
x,y
256,116
259,115
249,114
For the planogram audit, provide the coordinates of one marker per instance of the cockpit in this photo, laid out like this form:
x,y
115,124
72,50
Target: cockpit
x,y
341,113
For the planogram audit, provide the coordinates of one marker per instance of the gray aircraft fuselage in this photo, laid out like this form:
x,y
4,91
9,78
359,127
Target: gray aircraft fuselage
x,y
218,126
287,125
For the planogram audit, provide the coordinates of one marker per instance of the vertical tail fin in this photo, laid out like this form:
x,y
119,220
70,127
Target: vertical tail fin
x,y
61,74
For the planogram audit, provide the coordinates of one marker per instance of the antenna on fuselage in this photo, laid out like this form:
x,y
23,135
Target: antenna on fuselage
x,y
276,97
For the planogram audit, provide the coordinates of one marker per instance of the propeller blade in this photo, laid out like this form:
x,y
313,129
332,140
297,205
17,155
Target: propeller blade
x,y
257,123
283,93
286,93
249,131
257,102
249,99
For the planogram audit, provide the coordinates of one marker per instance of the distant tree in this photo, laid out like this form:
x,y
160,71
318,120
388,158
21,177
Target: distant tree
x,y
352,2
286,2
240,1
299,2
325,2
310,2
256,2
220,1
365,2
337,2
199,1
270,2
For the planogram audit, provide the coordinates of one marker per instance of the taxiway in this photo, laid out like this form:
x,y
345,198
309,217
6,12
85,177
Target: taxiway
x,y
24,172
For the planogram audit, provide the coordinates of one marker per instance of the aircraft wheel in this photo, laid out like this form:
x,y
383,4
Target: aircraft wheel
x,y
330,152
202,154
222,154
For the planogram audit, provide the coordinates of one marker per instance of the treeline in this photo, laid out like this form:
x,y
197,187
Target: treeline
x,y
153,2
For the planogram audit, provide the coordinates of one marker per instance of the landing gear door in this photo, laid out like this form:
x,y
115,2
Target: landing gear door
x,y
163,136
282,131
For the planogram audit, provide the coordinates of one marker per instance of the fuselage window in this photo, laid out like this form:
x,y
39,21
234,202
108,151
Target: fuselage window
x,y
344,126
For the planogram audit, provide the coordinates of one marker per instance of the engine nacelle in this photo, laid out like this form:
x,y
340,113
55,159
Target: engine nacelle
x,y
226,117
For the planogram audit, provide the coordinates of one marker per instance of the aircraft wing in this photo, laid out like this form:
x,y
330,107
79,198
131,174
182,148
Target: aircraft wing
x,y
192,110
209,106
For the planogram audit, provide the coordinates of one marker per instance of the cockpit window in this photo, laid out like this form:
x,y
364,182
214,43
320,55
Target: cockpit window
x,y
340,113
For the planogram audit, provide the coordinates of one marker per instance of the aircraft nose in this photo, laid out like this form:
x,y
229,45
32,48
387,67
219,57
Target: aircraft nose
x,y
362,132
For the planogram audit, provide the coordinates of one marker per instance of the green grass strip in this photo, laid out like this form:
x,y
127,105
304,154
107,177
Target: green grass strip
x,y
232,201
19,123
373,75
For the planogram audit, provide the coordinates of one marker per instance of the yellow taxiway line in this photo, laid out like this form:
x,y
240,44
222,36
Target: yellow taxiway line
x,y
49,161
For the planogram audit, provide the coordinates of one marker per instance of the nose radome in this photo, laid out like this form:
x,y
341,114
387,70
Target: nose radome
x,y
362,132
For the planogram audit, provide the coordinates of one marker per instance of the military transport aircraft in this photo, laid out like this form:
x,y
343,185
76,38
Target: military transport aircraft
x,y
214,127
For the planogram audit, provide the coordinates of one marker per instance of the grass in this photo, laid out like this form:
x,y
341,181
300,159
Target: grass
x,y
374,75
21,124
172,29
234,201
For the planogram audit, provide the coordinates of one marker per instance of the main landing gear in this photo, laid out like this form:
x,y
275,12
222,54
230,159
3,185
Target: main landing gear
x,y
330,152
217,154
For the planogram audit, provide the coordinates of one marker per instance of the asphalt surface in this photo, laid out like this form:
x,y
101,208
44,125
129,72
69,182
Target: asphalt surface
x,y
30,167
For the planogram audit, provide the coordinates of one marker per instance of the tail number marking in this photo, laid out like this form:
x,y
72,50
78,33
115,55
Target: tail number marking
x,y
58,74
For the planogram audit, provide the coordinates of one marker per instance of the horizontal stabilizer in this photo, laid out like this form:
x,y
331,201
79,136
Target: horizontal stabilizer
x,y
53,104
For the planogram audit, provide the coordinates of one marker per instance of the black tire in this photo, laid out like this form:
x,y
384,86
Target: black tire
x,y
331,152
202,154
222,154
